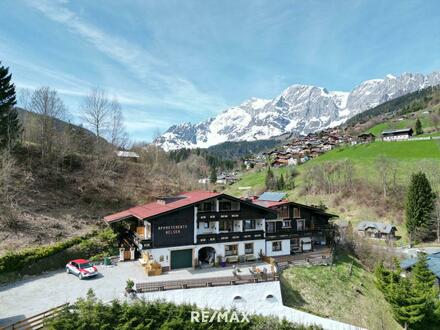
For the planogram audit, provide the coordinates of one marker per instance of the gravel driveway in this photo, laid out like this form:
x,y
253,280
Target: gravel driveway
x,y
37,294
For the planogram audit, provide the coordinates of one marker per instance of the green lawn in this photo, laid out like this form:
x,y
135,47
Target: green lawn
x,y
254,179
404,150
405,123
409,156
332,292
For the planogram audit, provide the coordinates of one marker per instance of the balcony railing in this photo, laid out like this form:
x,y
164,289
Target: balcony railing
x,y
229,237
287,233
216,216
140,241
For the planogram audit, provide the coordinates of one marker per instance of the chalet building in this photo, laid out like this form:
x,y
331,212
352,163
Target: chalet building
x,y
397,135
297,227
196,228
376,230
366,138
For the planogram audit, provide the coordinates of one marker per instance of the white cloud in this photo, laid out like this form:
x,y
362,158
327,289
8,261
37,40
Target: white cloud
x,y
171,90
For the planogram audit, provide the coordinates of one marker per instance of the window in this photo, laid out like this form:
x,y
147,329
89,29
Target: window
x,y
283,211
225,205
206,225
231,250
206,207
271,227
296,212
294,242
286,224
226,225
228,205
249,224
277,246
249,248
300,225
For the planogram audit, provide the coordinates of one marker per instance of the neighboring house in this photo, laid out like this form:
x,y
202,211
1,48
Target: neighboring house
x,y
397,135
297,228
225,178
195,228
376,230
280,162
204,180
366,138
433,264
131,155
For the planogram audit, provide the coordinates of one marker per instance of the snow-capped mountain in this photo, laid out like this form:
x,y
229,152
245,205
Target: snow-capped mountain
x,y
299,109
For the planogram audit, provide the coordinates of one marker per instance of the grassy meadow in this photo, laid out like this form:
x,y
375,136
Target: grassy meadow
x,y
332,292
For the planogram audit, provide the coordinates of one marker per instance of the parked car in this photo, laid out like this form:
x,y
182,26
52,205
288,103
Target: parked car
x,y
81,268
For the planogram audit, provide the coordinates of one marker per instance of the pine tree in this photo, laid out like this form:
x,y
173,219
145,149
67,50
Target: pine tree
x,y
419,207
418,127
414,300
9,123
270,180
280,183
423,280
213,176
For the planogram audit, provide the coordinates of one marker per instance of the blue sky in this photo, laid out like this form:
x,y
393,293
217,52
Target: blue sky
x,y
174,61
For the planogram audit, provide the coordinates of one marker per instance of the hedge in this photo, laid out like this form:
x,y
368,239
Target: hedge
x,y
15,261
91,313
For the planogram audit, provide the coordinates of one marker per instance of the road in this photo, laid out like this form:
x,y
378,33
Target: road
x,y
37,294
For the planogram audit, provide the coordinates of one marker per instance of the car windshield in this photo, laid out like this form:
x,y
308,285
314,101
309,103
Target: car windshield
x,y
85,265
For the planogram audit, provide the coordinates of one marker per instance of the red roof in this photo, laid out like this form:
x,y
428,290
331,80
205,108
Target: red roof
x,y
269,203
80,261
155,208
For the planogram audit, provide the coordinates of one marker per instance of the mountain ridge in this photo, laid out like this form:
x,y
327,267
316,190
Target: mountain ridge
x,y
298,109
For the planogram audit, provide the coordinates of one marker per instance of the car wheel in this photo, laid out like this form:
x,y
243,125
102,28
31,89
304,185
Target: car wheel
x,y
80,276
67,270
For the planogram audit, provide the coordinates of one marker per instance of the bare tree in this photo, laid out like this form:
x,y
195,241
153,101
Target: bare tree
x,y
49,106
435,119
387,171
97,110
117,135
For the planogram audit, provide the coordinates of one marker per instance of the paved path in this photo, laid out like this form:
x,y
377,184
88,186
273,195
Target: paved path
x,y
39,293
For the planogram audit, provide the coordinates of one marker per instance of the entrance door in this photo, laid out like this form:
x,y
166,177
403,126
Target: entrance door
x,y
181,259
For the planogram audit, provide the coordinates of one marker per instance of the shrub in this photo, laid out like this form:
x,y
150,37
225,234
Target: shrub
x,y
90,313
103,242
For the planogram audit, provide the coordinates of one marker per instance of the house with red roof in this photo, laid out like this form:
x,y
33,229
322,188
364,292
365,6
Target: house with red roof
x,y
297,228
197,228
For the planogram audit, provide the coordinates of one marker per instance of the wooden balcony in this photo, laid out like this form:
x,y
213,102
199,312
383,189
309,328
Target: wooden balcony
x,y
230,237
140,240
287,233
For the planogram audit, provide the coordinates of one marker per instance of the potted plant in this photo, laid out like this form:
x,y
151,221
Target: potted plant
x,y
129,285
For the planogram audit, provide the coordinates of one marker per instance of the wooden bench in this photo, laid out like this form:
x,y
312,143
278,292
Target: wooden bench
x,y
250,257
231,259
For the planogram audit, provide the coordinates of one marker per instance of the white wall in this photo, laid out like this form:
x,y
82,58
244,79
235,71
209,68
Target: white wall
x,y
166,253
285,248
220,247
